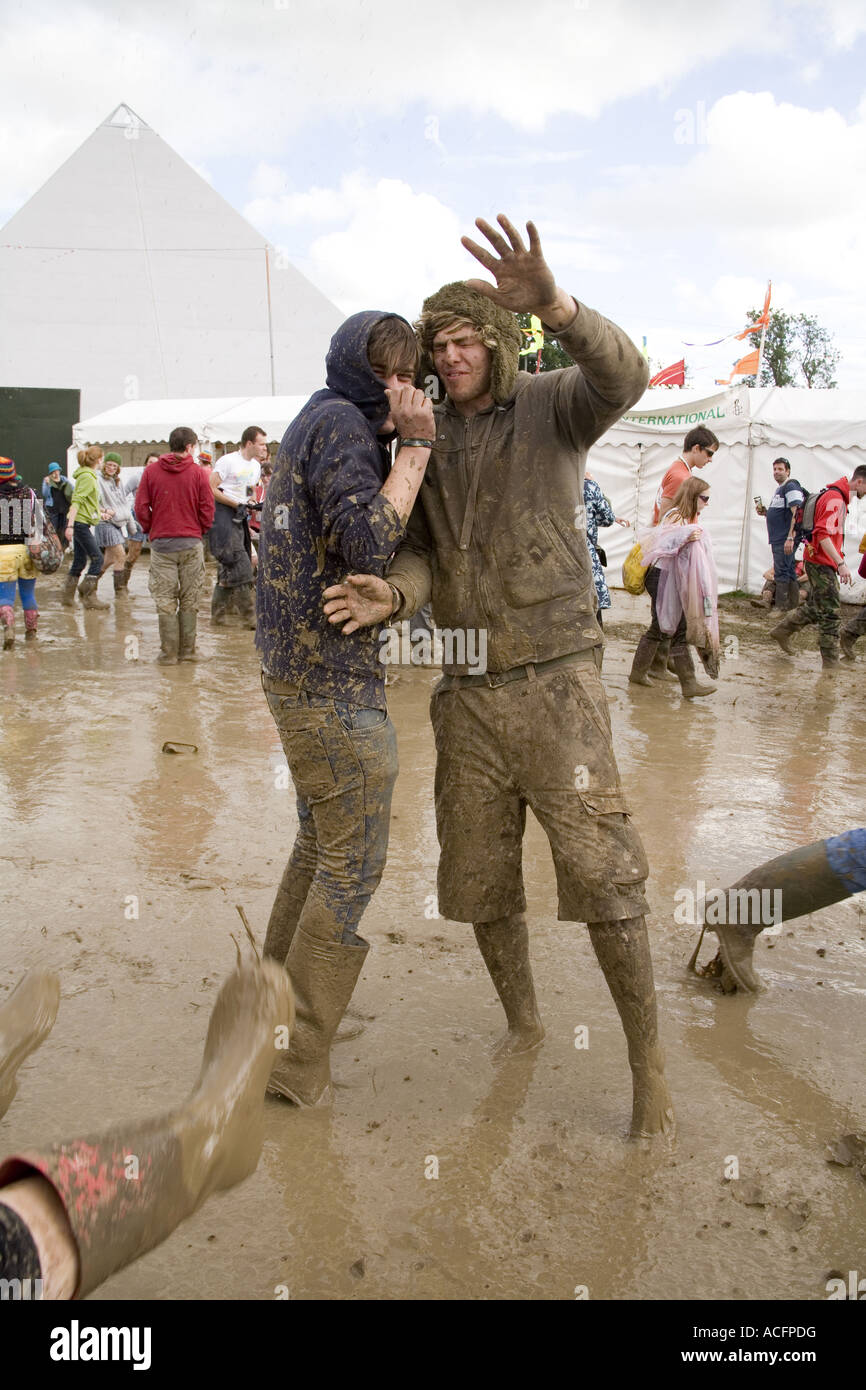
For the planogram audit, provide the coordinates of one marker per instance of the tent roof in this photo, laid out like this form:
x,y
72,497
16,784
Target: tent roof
x,y
217,418
127,272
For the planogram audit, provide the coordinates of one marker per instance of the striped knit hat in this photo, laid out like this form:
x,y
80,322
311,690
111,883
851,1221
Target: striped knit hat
x,y
8,471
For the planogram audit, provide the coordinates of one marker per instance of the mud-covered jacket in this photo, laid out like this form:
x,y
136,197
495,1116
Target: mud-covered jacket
x,y
515,561
324,517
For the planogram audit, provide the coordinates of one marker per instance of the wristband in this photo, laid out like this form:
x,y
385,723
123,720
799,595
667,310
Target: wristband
x,y
396,599
416,443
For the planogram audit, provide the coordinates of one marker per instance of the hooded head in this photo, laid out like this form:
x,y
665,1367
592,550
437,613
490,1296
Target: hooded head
x,y
497,328
349,373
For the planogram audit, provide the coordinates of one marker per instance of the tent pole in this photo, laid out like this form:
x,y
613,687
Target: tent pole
x,y
746,533
270,320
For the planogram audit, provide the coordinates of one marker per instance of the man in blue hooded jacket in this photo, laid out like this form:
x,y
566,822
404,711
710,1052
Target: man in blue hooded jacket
x,y
334,506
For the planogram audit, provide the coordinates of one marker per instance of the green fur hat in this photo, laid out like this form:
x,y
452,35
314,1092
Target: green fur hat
x,y
498,327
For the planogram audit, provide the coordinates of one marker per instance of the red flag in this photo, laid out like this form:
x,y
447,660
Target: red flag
x,y
674,375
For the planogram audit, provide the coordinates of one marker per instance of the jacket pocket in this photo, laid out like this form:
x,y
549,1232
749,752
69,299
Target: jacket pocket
x,y
534,564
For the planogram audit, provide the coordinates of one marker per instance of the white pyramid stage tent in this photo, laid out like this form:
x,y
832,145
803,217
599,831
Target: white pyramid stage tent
x,y
128,276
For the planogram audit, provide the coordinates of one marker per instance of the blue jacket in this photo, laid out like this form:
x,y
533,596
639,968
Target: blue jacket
x,y
324,517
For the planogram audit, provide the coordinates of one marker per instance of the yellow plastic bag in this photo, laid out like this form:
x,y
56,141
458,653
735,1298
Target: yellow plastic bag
x,y
634,570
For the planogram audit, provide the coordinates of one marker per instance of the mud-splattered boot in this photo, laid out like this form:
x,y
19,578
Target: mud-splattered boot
x,y
622,951
660,670
644,657
219,604
7,624
26,1019
789,886
124,1191
188,622
169,638
246,605
119,584
766,599
323,975
783,631
67,595
685,669
846,644
31,624
87,594
504,946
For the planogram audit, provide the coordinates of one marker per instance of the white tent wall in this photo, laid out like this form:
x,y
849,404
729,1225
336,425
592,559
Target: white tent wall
x,y
127,275
820,432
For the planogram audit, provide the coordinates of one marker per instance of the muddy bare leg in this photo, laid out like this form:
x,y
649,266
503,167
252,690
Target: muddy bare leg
x,y
622,950
124,1191
26,1019
504,946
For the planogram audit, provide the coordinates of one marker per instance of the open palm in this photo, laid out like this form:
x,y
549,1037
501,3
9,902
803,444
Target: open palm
x,y
524,281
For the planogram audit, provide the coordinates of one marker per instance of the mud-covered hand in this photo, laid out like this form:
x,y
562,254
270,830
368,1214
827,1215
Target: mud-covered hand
x,y
412,413
524,280
362,600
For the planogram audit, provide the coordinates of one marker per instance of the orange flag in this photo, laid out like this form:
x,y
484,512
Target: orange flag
x,y
747,366
763,321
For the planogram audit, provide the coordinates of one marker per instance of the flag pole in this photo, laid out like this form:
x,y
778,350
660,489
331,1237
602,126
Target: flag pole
x,y
763,336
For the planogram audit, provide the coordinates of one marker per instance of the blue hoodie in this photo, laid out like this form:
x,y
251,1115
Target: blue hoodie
x,y
324,517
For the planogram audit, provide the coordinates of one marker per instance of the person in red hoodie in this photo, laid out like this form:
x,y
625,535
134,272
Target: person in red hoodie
x,y
825,567
174,505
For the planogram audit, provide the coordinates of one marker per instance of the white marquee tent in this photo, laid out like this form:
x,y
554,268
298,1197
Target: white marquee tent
x,y
822,433
127,275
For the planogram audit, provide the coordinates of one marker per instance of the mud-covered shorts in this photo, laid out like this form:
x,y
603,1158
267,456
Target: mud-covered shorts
x,y
542,742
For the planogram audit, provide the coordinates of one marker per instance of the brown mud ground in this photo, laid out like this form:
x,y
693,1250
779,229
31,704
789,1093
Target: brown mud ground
x,y
537,1193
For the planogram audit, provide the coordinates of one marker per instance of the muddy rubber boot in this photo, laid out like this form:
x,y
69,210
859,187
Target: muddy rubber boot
x,y
804,882
246,605
645,654
282,925
87,594
187,622
169,638
504,946
31,623
26,1018
323,975
660,670
782,632
125,1190
119,580
219,603
7,622
67,596
689,683
765,601
846,643
830,659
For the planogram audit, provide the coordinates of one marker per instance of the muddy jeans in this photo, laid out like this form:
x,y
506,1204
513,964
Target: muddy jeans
x,y
343,761
230,546
176,578
542,742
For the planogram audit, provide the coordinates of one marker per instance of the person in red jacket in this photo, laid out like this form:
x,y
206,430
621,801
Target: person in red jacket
x,y
825,567
174,505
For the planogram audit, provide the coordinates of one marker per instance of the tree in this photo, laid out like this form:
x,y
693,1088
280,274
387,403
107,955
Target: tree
x,y
552,355
797,351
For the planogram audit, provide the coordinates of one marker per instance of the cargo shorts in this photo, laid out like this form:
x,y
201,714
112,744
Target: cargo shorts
x,y
542,742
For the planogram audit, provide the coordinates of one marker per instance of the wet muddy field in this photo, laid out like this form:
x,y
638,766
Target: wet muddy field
x,y
436,1175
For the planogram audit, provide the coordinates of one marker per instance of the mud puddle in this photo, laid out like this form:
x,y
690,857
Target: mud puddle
x,y
436,1176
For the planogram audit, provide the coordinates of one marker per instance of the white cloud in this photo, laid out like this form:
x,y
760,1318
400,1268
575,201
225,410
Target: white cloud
x,y
392,247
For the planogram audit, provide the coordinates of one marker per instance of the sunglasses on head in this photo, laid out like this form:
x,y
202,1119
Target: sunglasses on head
x,y
703,497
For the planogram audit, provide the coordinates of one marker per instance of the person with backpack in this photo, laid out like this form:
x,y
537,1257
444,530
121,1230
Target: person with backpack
x,y
822,524
17,505
781,517
57,496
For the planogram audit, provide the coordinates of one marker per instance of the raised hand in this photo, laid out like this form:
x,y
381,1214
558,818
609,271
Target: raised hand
x,y
412,413
362,600
524,281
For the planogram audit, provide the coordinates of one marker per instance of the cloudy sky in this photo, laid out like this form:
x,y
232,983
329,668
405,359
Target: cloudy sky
x,y
674,156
